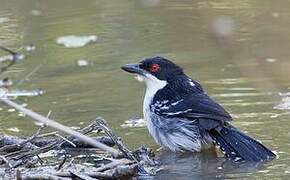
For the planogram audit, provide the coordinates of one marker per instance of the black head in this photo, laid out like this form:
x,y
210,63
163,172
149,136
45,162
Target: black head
x,y
161,68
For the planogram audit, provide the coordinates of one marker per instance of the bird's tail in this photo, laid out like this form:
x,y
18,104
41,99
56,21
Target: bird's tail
x,y
240,147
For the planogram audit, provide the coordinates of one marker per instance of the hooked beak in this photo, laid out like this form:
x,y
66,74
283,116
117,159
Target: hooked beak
x,y
134,68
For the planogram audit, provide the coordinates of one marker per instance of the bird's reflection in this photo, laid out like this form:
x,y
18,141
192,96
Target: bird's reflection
x,y
205,165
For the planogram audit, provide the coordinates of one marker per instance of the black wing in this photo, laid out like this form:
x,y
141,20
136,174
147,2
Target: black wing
x,y
197,106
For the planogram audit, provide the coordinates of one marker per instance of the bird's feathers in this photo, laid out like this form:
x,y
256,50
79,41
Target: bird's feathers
x,y
191,103
181,116
239,146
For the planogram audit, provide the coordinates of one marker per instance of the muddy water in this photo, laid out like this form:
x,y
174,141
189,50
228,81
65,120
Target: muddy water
x,y
238,50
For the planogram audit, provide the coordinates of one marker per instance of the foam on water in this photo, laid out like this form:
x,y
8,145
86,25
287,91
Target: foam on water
x,y
73,41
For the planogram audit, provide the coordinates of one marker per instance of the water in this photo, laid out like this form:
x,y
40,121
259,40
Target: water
x,y
238,50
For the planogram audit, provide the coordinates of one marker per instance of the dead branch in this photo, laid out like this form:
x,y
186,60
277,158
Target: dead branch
x,y
111,169
60,127
109,163
14,57
126,152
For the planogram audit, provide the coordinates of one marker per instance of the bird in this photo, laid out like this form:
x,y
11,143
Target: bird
x,y
181,116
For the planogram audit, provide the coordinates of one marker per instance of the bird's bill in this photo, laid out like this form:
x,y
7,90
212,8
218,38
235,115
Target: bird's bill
x,y
134,68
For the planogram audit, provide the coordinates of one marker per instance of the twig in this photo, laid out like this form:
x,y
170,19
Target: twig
x,y
6,58
118,172
6,82
81,175
113,164
116,139
32,137
34,152
5,93
48,134
69,163
9,148
43,177
65,139
48,114
39,159
29,74
8,50
6,161
62,162
15,58
60,127
101,122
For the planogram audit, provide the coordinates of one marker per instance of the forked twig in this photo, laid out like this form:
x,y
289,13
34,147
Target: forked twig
x,y
126,152
15,57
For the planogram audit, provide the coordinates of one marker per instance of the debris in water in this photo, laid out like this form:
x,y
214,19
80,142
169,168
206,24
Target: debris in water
x,y
284,94
35,12
82,63
13,129
271,60
275,15
17,93
75,127
284,105
76,41
11,110
30,47
23,104
39,124
4,19
134,122
223,26
6,82
15,57
21,114
139,78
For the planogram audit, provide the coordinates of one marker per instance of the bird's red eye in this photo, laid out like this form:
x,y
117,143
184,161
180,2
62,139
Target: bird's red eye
x,y
154,68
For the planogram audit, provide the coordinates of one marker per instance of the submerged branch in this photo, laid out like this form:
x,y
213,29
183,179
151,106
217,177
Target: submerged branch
x,y
13,58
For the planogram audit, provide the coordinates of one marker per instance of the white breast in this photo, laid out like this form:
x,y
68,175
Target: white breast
x,y
153,85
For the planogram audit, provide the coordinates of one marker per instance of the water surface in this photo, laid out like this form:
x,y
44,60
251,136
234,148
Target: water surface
x,y
238,50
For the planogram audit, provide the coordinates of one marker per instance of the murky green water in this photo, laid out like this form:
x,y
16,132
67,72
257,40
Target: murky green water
x,y
239,51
